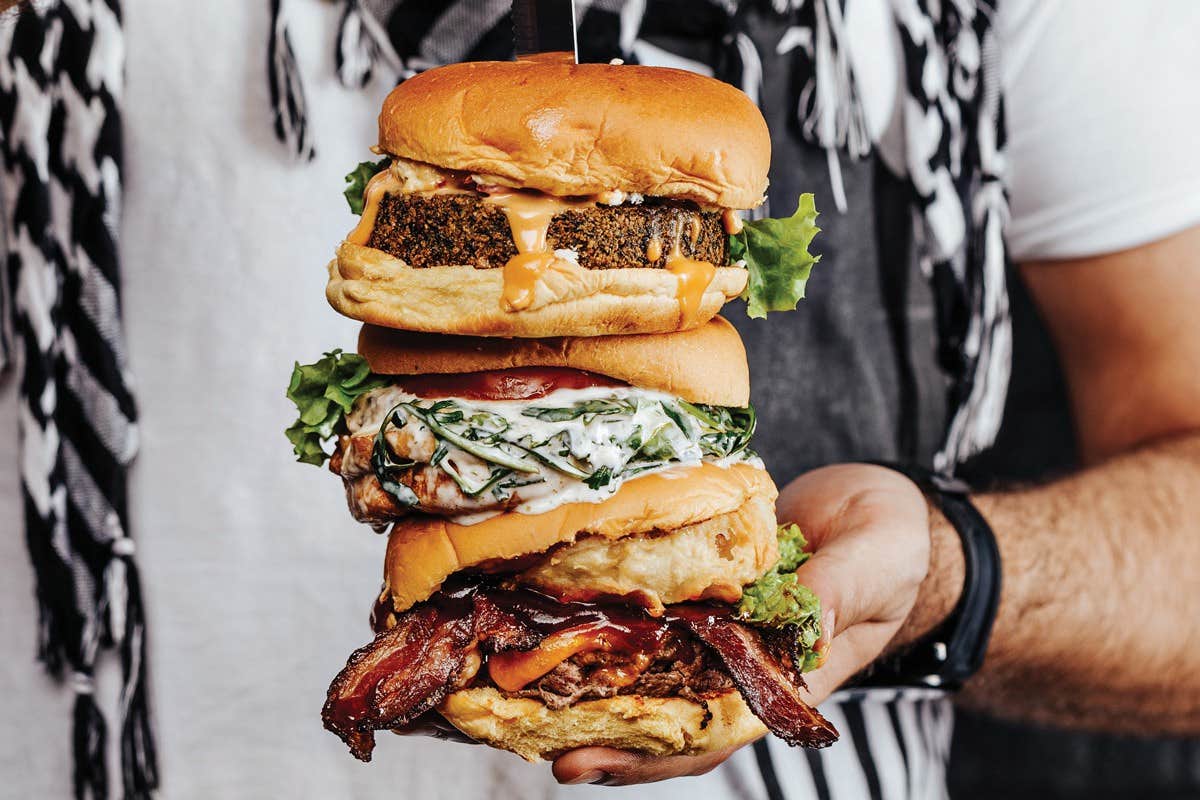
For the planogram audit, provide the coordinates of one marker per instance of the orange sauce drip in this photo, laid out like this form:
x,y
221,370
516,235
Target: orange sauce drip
x,y
529,216
383,183
521,275
693,278
732,222
654,250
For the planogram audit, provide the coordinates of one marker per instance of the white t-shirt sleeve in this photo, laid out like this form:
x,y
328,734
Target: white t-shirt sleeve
x,y
1104,123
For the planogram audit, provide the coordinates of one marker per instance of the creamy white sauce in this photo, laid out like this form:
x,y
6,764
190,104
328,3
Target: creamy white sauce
x,y
599,439
616,197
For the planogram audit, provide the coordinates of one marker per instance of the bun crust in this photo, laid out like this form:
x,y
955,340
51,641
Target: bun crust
x,y
710,560
581,129
660,726
422,552
371,286
706,364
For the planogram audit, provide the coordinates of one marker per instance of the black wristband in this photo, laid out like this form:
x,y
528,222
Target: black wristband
x,y
953,651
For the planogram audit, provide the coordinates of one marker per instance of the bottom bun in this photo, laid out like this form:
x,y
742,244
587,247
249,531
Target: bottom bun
x,y
660,726
372,286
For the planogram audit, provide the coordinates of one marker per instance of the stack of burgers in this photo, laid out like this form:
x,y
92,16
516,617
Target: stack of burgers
x,y
553,426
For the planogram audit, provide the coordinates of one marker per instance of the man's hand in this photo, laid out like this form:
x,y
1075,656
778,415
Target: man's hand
x,y
868,528
1096,626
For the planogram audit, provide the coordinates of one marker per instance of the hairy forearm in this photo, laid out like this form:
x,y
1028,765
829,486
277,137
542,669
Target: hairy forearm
x,y
1098,624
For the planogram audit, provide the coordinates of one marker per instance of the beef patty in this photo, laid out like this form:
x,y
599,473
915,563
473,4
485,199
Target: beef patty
x,y
681,667
441,230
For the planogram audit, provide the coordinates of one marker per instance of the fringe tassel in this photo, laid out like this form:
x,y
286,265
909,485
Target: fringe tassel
x,y
139,759
829,109
6,315
362,45
988,344
90,735
54,584
287,89
356,50
752,71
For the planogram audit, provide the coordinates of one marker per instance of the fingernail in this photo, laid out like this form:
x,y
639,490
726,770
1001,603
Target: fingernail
x,y
827,622
591,776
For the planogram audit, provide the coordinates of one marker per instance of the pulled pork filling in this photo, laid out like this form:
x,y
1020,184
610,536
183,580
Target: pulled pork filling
x,y
449,229
680,667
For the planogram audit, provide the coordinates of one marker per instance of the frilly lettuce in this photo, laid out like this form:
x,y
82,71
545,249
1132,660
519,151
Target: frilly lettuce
x,y
357,180
777,258
779,600
324,392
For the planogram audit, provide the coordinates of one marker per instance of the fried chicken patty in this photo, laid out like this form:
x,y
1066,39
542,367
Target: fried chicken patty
x,y
441,230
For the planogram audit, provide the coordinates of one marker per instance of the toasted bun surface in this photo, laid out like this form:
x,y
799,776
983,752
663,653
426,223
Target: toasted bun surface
x,y
660,726
423,551
581,129
371,286
710,560
702,365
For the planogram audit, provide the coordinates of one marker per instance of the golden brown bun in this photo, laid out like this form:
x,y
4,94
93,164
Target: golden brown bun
x,y
371,286
702,365
710,560
661,726
581,129
423,551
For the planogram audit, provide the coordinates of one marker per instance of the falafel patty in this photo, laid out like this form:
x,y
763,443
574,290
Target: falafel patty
x,y
441,230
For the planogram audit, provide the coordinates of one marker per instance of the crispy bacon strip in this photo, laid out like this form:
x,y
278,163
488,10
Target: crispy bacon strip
x,y
770,689
399,676
408,670
500,629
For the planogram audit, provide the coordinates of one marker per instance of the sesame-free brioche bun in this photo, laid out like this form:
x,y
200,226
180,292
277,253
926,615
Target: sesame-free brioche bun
x,y
701,365
581,129
424,551
660,726
372,286
709,560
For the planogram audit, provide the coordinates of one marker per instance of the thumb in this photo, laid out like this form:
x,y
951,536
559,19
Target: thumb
x,y
604,765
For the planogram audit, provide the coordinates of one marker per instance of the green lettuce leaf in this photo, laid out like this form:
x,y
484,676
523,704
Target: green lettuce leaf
x,y
777,258
324,392
779,600
792,546
356,182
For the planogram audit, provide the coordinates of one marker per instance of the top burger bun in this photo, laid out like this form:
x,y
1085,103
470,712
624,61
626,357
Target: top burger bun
x,y
706,364
581,129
